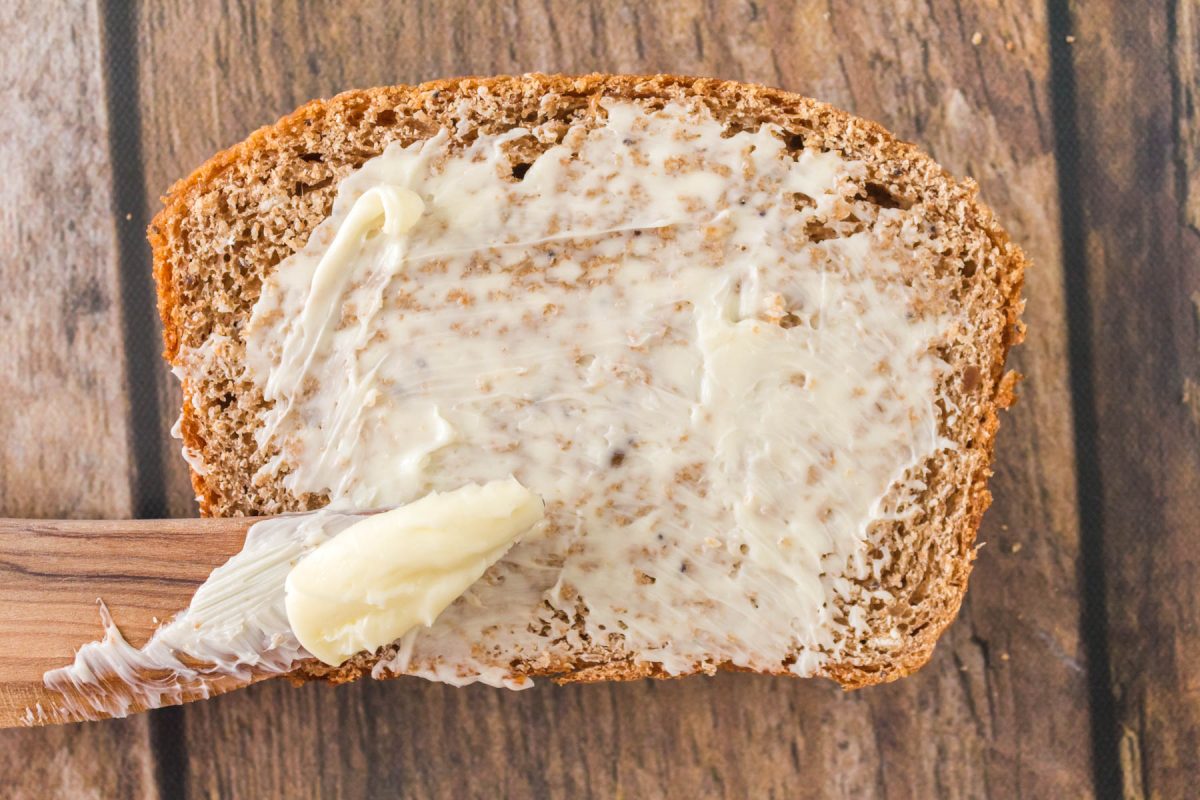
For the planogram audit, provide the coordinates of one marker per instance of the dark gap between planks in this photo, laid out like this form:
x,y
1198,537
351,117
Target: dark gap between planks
x,y
1093,621
168,743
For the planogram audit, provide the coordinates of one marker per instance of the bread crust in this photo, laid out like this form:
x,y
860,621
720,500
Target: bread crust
x,y
902,165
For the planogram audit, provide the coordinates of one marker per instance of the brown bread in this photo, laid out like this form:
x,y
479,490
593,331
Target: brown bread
x,y
214,245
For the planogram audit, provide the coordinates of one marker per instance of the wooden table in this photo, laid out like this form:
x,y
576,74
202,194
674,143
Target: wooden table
x,y
1074,668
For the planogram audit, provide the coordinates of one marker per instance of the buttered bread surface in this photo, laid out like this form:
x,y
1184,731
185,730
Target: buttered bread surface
x,y
731,362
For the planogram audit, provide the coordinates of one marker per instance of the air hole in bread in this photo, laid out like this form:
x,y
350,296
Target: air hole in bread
x,y
521,154
302,189
312,158
918,594
818,231
883,197
736,125
386,118
802,201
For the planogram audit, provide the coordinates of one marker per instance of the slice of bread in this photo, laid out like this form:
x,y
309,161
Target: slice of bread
x,y
226,228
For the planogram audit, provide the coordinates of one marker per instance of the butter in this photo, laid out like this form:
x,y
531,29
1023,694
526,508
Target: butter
x,y
391,572
390,210
646,329
362,581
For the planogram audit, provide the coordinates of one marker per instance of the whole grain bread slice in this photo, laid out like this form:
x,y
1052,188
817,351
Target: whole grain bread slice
x,y
224,229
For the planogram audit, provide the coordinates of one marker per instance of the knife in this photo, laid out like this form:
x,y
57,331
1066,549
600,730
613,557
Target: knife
x,y
53,573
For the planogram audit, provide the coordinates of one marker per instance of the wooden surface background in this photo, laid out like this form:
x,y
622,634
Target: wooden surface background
x,y
1074,668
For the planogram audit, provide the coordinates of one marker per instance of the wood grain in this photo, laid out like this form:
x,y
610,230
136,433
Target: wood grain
x,y
53,573
974,722
983,110
62,378
1135,101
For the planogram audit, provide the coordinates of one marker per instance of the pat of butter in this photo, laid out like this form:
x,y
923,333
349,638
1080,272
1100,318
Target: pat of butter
x,y
391,209
381,577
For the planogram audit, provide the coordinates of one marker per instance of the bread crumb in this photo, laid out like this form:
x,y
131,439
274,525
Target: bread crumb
x,y
1016,548
977,39
1004,656
1009,45
1070,39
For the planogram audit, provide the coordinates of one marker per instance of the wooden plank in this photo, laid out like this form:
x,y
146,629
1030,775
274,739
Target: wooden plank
x,y
62,378
983,109
1136,93
975,721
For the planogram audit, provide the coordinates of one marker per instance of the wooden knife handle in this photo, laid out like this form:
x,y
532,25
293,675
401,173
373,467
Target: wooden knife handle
x,y
53,572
